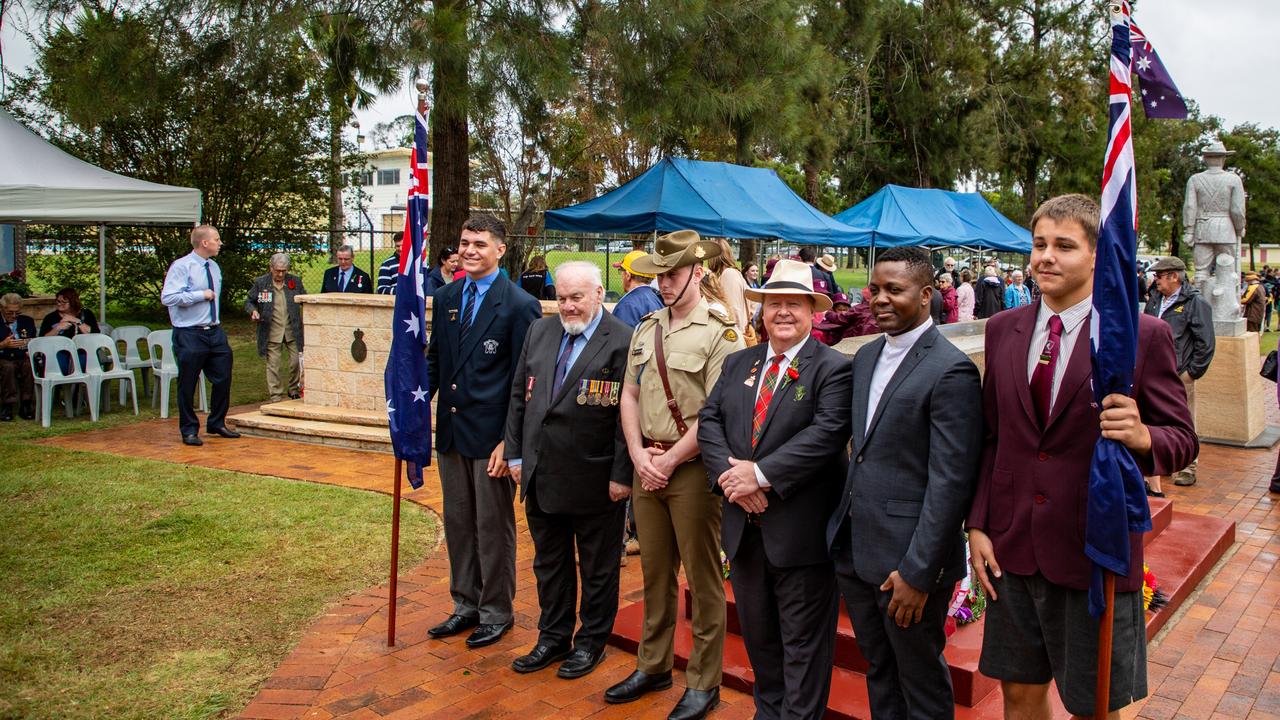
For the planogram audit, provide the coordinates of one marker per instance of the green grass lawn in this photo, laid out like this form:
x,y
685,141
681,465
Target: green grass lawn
x,y
142,589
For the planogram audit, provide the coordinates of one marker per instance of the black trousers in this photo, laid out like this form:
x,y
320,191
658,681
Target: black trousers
x,y
204,351
908,676
598,537
788,620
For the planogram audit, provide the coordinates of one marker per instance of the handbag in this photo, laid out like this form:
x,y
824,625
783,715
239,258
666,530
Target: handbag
x,y
1269,366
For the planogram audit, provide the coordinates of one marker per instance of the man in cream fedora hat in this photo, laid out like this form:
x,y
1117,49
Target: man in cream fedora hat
x,y
780,475
674,360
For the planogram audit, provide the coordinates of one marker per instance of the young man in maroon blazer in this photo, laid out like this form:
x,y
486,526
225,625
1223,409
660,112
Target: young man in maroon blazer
x,y
1026,527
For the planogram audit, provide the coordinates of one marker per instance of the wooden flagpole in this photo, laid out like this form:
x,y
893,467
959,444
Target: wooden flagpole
x,y
395,557
1102,693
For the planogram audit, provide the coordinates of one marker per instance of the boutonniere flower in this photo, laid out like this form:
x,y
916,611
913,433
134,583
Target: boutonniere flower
x,y
799,393
793,370
292,285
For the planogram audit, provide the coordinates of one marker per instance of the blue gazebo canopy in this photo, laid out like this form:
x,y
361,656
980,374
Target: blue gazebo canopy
x,y
716,199
897,215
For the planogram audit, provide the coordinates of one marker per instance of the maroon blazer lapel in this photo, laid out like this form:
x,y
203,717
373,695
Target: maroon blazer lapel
x,y
1079,369
1019,348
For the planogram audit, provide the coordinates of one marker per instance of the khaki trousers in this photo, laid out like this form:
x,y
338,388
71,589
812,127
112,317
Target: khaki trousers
x,y
274,385
681,524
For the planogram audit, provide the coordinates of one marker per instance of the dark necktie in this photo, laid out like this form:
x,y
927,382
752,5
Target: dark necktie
x,y
468,308
562,365
213,304
1042,377
762,400
342,285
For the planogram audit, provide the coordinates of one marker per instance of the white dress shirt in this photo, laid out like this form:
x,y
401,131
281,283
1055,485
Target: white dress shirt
x,y
1072,320
787,356
895,349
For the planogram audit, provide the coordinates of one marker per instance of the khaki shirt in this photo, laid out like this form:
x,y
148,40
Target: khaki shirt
x,y
695,352
280,330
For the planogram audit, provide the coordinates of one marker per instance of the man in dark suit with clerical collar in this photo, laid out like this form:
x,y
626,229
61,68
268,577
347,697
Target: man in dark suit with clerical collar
x,y
773,434
345,276
566,451
896,536
478,327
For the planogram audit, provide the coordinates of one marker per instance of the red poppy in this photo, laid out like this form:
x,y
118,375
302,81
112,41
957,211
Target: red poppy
x,y
291,285
793,373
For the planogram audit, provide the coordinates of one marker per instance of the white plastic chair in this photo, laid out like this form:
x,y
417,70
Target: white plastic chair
x,y
131,335
105,328
165,369
48,349
95,347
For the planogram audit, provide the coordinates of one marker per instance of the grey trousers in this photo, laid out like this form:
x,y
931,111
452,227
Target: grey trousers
x,y
480,532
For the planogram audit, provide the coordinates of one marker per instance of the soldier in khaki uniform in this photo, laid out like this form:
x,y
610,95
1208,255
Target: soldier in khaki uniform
x,y
676,514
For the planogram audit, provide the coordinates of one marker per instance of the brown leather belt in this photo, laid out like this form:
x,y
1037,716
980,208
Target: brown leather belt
x,y
664,447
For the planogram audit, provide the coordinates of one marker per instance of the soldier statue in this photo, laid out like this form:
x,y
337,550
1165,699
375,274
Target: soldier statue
x,y
1213,225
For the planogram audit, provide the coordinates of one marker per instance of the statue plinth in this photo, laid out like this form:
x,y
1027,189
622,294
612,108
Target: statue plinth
x,y
1229,328
1229,398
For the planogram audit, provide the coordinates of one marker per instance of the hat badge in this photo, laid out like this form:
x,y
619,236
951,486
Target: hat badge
x,y
698,252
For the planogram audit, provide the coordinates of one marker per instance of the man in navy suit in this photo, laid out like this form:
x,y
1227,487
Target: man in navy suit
x,y
478,328
345,276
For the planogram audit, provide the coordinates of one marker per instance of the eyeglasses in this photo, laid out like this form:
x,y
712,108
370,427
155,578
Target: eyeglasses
x,y
62,301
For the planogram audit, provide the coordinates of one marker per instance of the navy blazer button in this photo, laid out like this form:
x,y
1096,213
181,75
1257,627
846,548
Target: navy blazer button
x,y
859,459
453,386
1042,457
453,409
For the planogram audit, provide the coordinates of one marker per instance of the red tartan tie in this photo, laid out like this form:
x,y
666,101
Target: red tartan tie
x,y
762,400
1042,378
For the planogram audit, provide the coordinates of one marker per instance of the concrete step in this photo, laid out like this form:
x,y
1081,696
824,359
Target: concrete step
x,y
300,410
358,437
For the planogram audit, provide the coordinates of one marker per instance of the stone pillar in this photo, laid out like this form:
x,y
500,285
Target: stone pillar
x,y
1229,398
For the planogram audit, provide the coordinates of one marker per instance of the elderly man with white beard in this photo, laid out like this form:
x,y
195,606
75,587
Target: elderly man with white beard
x,y
566,450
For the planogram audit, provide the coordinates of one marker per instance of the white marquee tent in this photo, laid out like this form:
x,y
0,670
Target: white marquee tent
x,y
41,184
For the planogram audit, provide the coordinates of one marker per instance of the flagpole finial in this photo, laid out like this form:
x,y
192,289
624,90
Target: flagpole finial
x,y
422,89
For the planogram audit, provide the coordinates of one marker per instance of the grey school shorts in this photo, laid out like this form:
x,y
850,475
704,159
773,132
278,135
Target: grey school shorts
x,y
1038,631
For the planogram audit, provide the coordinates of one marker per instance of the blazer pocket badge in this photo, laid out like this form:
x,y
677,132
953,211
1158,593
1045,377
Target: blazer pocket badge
x,y
490,347
453,315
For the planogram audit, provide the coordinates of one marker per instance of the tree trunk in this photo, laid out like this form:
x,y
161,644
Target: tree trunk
x,y
450,143
743,155
1030,191
337,219
811,184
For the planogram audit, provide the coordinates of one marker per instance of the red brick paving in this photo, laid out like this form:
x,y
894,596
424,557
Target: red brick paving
x,y
1217,658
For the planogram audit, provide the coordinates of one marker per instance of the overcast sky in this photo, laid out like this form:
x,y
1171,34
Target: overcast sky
x,y
1223,55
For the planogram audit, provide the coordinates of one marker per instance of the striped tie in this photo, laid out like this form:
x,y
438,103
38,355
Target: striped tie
x,y
762,400
468,309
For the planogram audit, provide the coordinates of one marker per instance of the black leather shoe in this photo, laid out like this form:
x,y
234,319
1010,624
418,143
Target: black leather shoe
x,y
225,432
27,411
695,704
454,625
192,440
487,634
579,663
6,412
636,685
538,658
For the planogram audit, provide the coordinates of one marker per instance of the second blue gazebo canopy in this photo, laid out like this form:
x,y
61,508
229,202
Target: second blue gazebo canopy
x,y
897,215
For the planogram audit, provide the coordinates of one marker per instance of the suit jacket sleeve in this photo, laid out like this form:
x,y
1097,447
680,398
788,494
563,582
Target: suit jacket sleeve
x,y
830,429
623,470
1202,342
514,435
955,444
524,316
1162,402
251,303
712,440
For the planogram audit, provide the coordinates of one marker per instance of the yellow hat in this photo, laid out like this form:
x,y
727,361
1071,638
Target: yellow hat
x,y
631,258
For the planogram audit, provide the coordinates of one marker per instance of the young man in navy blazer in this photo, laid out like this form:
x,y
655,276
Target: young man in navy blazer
x,y
478,327
1027,524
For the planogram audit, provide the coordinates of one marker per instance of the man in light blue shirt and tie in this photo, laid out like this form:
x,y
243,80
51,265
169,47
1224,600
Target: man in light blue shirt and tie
x,y
191,289
345,276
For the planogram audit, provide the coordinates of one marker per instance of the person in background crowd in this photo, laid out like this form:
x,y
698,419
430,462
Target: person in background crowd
x,y
1253,303
388,271
345,276
1017,293
192,290
844,320
827,264
1190,320
442,273
1026,525
896,534
937,308
566,451
1274,296
272,306
1144,290
675,359
752,275
537,279
779,477
809,256
990,293
478,329
950,305
17,387
1274,486
69,318
948,266
768,268
733,286
639,296
964,297
1269,288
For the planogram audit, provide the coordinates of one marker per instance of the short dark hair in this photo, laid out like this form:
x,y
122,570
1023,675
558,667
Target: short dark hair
x,y
808,254
489,224
444,254
72,296
916,260
1075,206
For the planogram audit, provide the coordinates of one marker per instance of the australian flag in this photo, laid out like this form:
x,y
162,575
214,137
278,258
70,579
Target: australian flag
x,y
408,405
1160,97
1117,498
